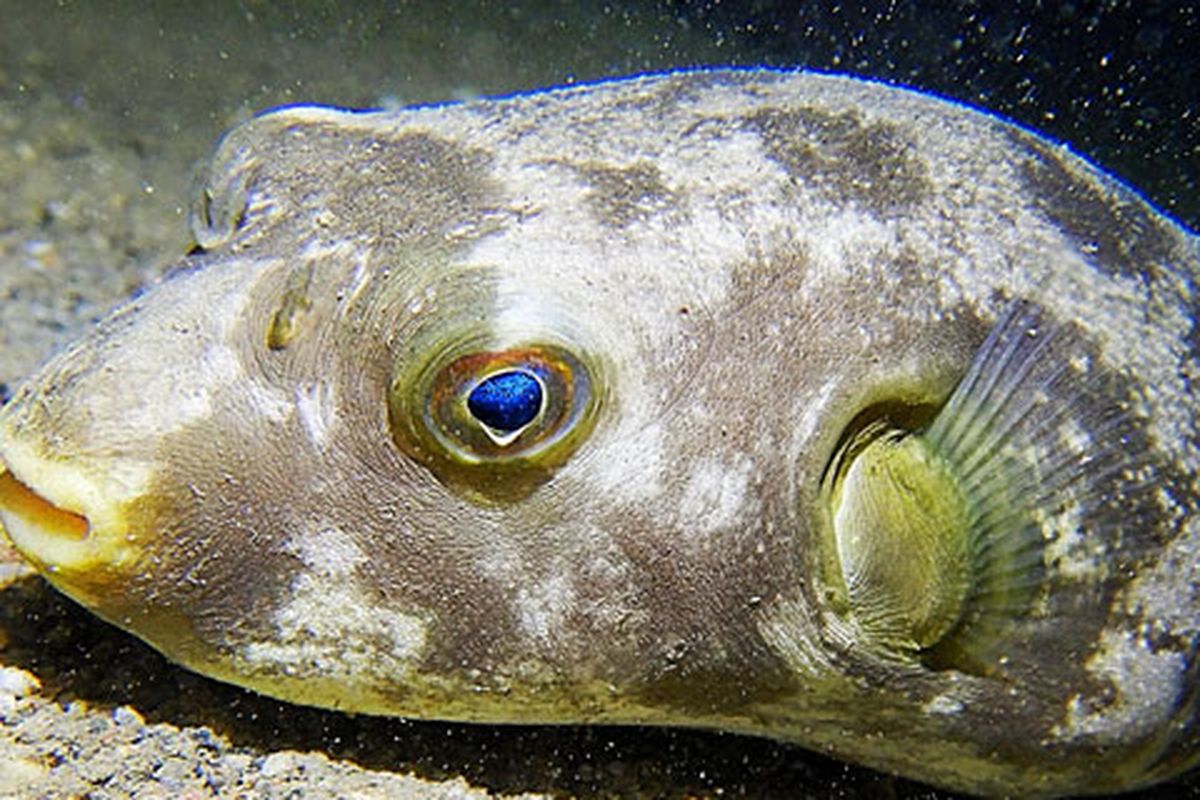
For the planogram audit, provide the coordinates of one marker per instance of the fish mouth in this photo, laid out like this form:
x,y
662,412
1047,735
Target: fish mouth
x,y
59,516
49,535
27,516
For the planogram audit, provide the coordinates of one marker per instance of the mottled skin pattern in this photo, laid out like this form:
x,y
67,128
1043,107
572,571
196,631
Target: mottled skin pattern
x,y
745,261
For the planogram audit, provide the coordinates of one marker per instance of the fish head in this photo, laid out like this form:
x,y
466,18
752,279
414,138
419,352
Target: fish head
x,y
769,403
281,458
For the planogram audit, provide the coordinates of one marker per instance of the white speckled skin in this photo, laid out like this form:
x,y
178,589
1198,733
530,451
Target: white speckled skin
x,y
747,260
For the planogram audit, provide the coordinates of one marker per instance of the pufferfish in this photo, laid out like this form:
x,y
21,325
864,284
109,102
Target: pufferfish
x,y
770,402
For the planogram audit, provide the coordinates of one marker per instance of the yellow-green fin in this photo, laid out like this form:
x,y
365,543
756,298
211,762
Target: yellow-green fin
x,y
944,535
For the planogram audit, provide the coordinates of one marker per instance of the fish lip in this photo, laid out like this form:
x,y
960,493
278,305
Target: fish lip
x,y
56,514
21,502
46,534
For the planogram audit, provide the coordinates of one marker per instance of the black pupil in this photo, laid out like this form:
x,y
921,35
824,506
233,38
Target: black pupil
x,y
506,401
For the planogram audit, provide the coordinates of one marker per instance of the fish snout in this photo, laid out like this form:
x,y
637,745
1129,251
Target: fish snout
x,y
69,520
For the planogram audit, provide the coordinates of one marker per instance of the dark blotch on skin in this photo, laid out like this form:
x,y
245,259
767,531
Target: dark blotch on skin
x,y
869,165
224,603
620,196
403,188
1119,233
418,186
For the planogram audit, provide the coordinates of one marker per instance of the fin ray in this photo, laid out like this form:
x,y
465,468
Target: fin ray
x,y
1016,504
1030,433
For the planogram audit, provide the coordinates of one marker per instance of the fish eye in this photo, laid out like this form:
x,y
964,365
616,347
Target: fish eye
x,y
496,423
506,402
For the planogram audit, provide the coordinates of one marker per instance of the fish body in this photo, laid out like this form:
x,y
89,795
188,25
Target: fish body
x,y
771,402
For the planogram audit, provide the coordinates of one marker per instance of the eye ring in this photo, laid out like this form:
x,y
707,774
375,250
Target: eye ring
x,y
497,422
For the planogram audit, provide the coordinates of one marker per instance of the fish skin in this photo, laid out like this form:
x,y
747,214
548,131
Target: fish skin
x,y
745,260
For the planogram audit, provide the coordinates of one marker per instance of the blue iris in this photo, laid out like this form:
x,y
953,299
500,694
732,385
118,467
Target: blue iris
x,y
506,401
